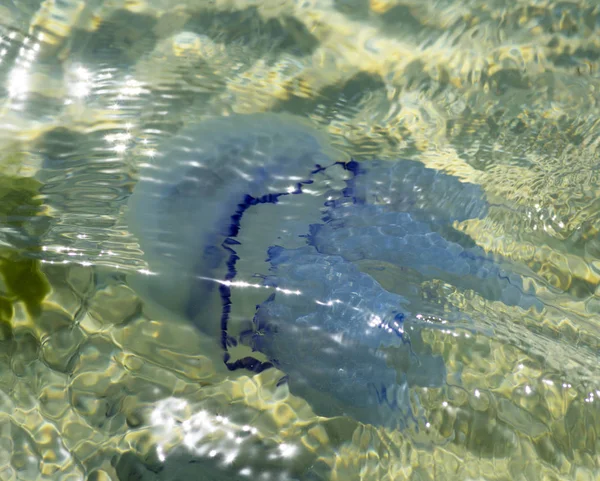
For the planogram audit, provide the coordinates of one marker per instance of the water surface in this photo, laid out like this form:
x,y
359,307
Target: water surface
x,y
97,384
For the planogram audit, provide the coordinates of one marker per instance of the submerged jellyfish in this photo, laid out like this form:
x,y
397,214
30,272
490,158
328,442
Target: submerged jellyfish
x,y
236,191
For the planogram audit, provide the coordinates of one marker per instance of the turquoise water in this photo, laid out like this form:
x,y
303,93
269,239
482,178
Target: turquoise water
x,y
100,380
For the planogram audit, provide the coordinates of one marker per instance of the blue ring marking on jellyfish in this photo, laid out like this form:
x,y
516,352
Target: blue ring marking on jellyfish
x,y
234,227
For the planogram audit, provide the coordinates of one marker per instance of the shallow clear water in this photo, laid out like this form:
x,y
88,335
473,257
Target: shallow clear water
x,y
96,383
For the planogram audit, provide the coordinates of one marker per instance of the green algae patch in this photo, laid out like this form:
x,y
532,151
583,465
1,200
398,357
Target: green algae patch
x,y
25,282
21,208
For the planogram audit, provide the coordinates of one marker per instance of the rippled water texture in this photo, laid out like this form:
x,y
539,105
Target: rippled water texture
x,y
456,195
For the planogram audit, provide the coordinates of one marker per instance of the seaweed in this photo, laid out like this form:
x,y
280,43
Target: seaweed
x,y
21,208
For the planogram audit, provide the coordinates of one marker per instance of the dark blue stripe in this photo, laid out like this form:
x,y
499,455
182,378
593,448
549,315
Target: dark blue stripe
x,y
232,232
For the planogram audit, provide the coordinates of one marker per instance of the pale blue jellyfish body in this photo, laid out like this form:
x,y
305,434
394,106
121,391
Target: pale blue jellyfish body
x,y
326,324
188,203
325,328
